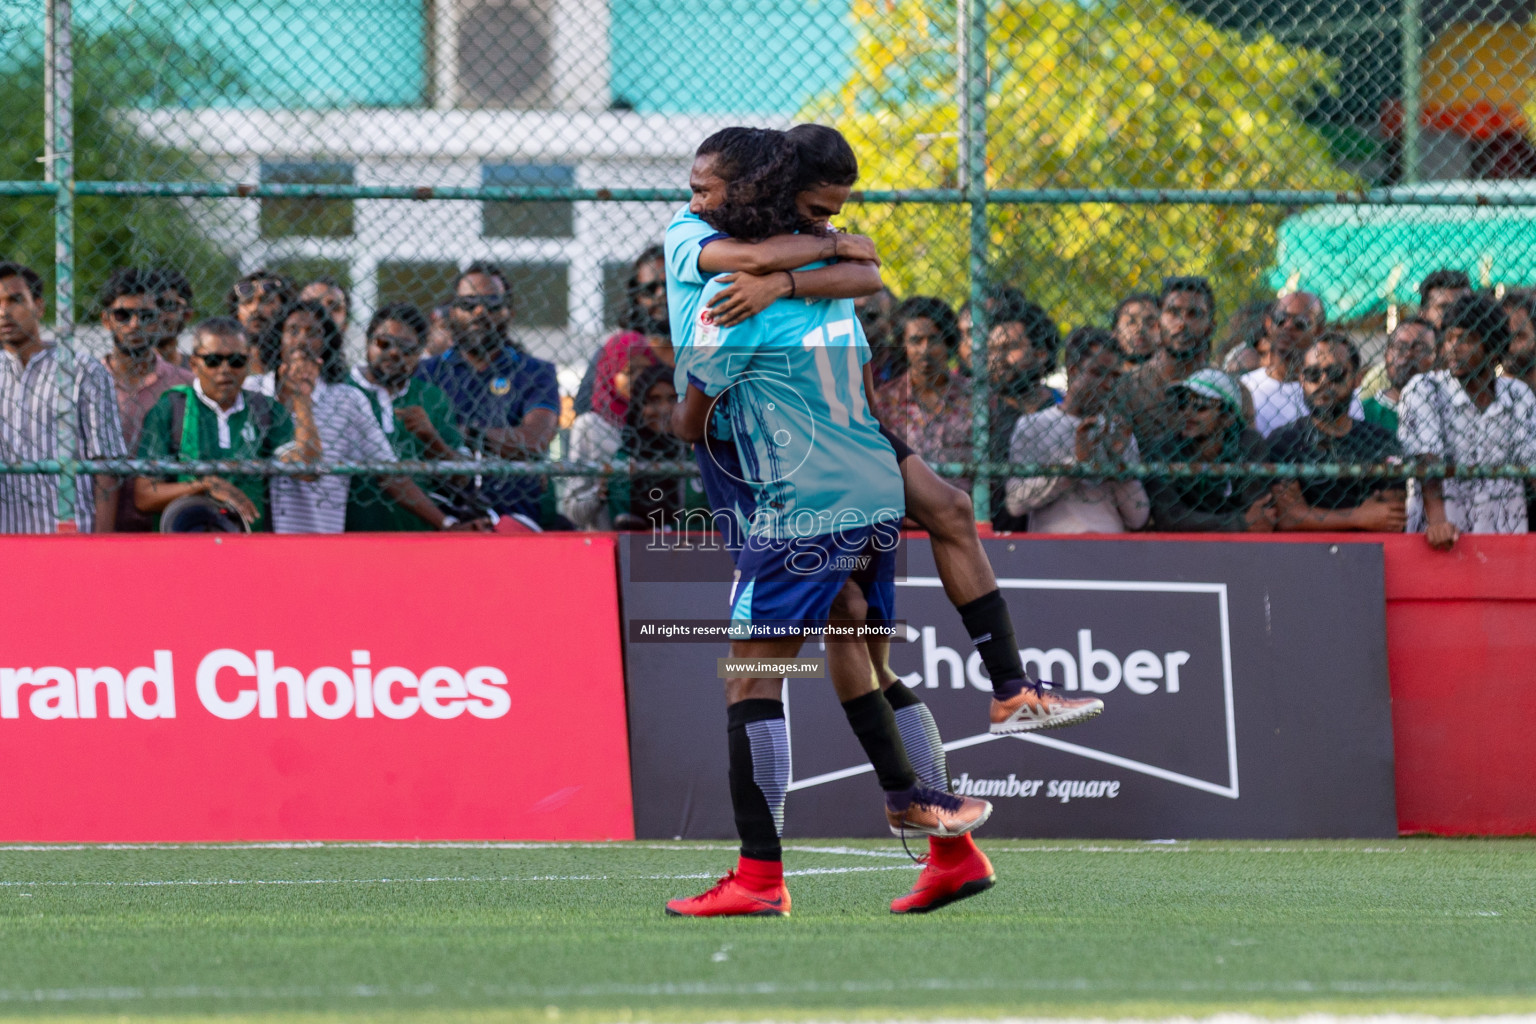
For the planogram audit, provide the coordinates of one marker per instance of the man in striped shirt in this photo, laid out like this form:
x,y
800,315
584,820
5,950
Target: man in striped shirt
x,y
30,413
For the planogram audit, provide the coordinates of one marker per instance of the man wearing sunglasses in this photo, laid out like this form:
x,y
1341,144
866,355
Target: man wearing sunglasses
x,y
1328,435
131,312
1291,325
175,300
506,402
416,416
255,300
215,420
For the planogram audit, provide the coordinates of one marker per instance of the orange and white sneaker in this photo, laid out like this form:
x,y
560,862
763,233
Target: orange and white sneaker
x,y
938,814
730,897
1039,706
954,870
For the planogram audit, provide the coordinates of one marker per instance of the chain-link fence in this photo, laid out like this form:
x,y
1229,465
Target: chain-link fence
x,y
1084,214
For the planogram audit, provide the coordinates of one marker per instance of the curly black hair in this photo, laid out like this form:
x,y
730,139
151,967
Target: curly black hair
x,y
129,281
759,168
1042,331
1480,315
824,156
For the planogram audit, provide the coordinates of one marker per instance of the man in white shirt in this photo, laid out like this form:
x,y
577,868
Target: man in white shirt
x,y
1467,415
1291,326
1077,431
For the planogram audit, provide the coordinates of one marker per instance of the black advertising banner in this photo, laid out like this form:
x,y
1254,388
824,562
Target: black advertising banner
x,y
1245,690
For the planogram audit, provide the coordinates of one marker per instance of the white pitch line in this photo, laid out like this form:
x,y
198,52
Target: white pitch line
x,y
210,882
679,846
616,844
769,988
850,871
847,851
1162,847
1131,846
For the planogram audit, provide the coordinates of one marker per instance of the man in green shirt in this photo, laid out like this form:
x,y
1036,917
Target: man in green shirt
x,y
417,416
215,420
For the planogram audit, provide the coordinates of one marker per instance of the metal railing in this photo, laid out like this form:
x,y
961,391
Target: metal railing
x,y
972,99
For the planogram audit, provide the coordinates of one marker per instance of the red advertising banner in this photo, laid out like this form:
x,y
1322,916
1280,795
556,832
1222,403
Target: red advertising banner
x,y
1461,650
331,688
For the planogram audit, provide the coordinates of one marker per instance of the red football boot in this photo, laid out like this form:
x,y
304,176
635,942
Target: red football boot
x,y
955,869
755,889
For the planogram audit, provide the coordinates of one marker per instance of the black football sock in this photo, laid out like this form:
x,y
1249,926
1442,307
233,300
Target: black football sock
x,y
986,620
920,737
874,723
759,747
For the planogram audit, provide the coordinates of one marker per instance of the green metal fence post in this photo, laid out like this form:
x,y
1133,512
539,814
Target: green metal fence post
x,y
972,38
1411,45
59,139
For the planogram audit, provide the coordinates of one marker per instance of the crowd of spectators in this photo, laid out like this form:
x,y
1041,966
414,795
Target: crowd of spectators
x,y
267,379
1281,388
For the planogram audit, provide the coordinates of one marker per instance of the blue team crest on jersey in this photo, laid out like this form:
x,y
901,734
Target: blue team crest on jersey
x,y
500,386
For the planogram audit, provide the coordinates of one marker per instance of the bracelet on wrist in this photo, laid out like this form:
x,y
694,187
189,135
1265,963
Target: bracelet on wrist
x,y
791,275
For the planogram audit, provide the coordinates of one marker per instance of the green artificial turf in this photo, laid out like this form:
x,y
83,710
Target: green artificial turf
x,y
469,934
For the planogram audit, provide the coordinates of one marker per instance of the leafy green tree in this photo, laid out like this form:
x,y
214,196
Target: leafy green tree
x,y
113,74
1100,95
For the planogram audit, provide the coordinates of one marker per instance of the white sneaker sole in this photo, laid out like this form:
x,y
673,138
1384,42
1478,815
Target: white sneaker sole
x,y
943,833
1017,724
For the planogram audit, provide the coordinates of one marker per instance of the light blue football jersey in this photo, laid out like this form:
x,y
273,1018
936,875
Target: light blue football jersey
x,y
686,237
792,378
